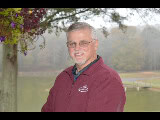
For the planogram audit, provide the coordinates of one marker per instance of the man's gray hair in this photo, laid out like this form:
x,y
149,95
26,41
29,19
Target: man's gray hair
x,y
82,25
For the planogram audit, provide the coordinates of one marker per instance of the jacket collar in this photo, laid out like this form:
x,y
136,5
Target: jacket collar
x,y
85,68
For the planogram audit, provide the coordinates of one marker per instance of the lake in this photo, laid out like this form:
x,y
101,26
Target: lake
x,y
33,92
142,101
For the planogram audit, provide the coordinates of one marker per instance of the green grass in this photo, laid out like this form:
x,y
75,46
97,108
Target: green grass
x,y
155,83
149,78
139,75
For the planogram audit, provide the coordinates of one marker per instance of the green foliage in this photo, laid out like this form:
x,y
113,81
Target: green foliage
x,y
20,25
55,18
7,18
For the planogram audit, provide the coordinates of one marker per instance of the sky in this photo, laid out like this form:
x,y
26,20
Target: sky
x,y
135,20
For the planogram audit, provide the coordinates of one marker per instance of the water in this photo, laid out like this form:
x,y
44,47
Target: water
x,y
33,92
142,101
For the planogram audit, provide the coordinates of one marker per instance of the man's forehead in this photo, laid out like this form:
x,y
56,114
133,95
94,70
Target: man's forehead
x,y
79,35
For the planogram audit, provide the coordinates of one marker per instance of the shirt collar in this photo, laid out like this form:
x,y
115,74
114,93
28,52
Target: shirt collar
x,y
89,71
85,68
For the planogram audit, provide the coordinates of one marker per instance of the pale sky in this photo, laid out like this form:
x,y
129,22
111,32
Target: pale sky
x,y
135,20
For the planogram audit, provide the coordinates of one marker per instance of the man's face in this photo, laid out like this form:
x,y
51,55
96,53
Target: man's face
x,y
85,47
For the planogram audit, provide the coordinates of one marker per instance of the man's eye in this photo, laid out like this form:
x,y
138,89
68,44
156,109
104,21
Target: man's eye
x,y
83,43
72,44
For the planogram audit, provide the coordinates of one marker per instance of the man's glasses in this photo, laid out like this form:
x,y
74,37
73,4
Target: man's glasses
x,y
82,44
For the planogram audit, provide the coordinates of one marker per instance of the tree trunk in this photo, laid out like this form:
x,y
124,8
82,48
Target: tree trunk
x,y
8,83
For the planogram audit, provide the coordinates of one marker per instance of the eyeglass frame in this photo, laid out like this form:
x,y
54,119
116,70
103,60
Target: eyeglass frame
x,y
79,44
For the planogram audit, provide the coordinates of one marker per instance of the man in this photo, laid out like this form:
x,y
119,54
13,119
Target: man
x,y
89,85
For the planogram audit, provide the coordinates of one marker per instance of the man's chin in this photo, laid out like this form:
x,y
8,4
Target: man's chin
x,y
80,62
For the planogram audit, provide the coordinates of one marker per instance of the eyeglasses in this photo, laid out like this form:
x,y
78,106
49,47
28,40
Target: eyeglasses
x,y
82,44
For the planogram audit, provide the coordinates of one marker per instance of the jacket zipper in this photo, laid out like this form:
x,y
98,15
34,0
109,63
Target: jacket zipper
x,y
71,88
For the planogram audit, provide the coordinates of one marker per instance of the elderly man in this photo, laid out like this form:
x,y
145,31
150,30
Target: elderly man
x,y
89,85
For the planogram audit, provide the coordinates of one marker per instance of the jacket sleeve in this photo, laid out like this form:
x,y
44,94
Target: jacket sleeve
x,y
49,105
109,96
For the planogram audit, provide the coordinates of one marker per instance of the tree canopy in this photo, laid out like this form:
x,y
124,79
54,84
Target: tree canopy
x,y
20,25
25,25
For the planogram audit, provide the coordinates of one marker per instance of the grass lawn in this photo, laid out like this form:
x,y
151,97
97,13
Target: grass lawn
x,y
155,83
151,78
139,75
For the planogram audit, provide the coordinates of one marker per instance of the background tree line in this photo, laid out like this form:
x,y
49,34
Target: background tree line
x,y
134,49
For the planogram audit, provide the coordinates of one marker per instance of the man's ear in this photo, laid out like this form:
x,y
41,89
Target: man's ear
x,y
96,44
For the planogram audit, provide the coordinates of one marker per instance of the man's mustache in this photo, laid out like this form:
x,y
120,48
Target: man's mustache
x,y
78,52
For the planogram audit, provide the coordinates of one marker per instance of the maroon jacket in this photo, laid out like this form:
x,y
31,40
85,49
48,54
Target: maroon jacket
x,y
98,89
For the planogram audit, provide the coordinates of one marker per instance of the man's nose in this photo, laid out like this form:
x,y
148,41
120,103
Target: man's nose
x,y
77,47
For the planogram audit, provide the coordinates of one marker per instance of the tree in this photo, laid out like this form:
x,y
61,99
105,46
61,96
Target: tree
x,y
128,51
0,57
16,26
151,37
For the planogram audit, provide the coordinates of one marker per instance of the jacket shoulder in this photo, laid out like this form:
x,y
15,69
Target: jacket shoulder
x,y
110,71
63,73
107,74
